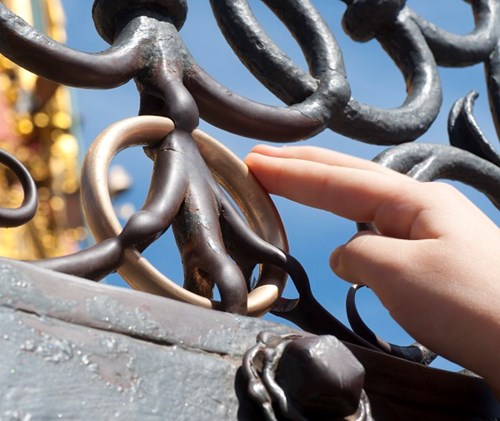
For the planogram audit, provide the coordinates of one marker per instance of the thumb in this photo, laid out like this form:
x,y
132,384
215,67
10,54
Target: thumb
x,y
386,265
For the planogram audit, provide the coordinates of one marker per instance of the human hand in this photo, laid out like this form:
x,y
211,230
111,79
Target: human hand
x,y
435,263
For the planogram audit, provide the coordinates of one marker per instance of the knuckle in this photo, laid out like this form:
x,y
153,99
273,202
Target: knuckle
x,y
441,189
359,243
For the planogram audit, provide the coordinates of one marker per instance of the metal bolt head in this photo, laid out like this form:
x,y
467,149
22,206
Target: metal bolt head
x,y
111,15
321,376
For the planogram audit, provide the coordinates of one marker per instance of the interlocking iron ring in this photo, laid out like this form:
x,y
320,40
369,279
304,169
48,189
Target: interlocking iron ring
x,y
227,169
26,211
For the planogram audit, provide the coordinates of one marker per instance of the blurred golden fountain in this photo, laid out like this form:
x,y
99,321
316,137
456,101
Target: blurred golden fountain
x,y
36,126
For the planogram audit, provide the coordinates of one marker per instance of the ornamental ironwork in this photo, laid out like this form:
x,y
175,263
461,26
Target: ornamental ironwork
x,y
193,174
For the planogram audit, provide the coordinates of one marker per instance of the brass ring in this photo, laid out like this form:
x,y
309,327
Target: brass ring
x,y
228,170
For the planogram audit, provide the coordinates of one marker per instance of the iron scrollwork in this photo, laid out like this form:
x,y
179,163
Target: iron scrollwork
x,y
170,84
217,245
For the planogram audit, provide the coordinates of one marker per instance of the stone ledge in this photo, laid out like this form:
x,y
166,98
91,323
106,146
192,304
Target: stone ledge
x,y
72,348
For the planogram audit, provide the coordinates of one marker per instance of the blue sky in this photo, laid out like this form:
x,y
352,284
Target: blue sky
x,y
373,78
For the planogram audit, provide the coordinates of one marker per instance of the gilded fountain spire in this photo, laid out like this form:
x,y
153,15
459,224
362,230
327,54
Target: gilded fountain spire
x,y
37,125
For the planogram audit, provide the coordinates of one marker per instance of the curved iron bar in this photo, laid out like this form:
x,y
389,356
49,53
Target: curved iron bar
x,y
247,193
144,39
415,352
307,313
325,61
492,67
430,162
397,33
463,50
26,211
52,60
216,244
147,47
471,159
465,133
320,49
182,197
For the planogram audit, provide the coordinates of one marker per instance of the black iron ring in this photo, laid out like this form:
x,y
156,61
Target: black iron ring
x,y
324,94
415,352
26,211
108,14
402,39
463,50
430,162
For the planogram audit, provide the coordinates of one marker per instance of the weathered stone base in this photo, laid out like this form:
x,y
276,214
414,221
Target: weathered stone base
x,y
73,349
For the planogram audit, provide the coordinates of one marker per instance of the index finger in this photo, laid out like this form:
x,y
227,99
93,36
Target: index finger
x,y
324,156
358,194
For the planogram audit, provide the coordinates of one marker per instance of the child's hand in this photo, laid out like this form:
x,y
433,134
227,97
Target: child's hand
x,y
435,264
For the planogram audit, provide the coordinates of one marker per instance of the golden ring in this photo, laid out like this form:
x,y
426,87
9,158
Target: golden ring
x,y
228,170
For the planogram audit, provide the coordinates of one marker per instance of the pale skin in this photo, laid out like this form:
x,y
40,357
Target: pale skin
x,y
435,264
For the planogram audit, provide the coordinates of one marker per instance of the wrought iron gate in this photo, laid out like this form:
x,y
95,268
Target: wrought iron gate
x,y
218,246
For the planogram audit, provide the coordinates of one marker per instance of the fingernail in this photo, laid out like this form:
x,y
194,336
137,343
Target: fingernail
x,y
265,148
335,259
